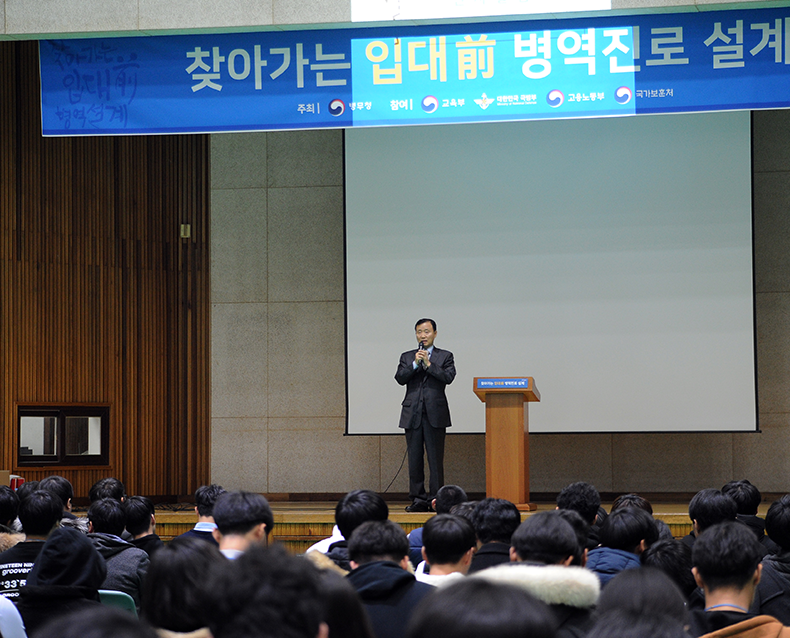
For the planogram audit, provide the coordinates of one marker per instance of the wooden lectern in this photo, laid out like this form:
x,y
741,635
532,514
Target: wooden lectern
x,y
507,436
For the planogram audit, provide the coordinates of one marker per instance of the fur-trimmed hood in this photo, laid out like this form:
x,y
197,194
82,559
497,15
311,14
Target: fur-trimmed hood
x,y
553,584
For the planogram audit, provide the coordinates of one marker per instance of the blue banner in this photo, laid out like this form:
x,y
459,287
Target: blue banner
x,y
399,75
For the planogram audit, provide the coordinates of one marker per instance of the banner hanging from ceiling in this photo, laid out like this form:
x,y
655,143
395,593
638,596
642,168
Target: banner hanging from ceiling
x,y
410,75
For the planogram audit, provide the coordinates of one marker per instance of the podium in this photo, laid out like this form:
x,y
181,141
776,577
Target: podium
x,y
507,436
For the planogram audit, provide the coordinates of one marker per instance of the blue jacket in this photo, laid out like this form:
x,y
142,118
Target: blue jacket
x,y
607,562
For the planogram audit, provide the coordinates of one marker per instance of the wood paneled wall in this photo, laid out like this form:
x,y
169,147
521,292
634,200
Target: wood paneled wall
x,y
101,301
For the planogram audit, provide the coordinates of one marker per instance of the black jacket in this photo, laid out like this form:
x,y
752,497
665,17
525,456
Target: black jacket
x,y
426,386
773,591
489,555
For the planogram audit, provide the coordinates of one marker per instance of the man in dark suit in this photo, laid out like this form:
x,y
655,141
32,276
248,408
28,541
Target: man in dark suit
x,y
425,415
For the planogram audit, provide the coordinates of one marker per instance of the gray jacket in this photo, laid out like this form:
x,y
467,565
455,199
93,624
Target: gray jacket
x,y
126,564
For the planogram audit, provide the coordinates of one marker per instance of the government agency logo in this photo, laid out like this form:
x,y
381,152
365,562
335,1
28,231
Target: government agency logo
x,y
484,102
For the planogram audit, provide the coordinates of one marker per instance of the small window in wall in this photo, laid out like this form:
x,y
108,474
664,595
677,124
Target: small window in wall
x,y
74,435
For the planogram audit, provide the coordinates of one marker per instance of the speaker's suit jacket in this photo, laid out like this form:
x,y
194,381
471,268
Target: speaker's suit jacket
x,y
426,385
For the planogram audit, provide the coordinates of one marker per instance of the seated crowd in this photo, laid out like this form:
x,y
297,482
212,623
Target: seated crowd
x,y
474,569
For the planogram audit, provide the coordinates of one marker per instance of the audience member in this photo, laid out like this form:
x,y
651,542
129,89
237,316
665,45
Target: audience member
x,y
100,621
707,508
773,591
243,519
632,500
475,607
66,577
107,488
9,507
648,592
61,488
619,623
494,520
673,557
727,566
747,499
582,529
379,558
27,488
141,524
543,549
584,499
625,534
446,498
266,593
351,511
176,584
449,543
343,611
39,514
205,497
126,564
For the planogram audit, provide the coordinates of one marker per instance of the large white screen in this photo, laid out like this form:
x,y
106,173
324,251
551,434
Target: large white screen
x,y
610,259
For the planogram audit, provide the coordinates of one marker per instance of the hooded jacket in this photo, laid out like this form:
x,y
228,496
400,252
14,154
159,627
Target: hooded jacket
x,y
607,562
65,577
772,596
126,564
570,592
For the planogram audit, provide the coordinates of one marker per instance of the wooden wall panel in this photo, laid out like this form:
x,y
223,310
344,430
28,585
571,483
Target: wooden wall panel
x,y
101,301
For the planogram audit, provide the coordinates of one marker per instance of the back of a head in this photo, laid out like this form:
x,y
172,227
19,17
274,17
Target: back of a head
x,y
206,496
107,517
9,505
357,507
673,557
138,510
176,583
474,607
239,512
68,559
746,496
726,555
625,528
495,520
26,489
545,537
378,540
619,623
580,527
447,496
446,538
100,621
40,512
777,522
581,497
632,500
465,510
710,506
265,593
646,591
59,486
107,488
343,611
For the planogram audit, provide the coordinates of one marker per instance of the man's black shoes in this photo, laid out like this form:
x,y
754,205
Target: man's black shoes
x,y
418,506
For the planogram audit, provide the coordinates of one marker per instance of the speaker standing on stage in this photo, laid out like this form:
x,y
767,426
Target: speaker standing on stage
x,y
425,414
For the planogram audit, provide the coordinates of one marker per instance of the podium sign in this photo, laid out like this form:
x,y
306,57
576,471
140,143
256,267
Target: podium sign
x,y
507,436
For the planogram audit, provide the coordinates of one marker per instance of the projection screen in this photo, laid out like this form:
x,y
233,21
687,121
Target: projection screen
x,y
610,259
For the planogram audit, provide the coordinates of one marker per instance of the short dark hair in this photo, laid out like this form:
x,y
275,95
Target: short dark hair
x,y
100,621
581,497
424,320
622,623
710,506
447,496
40,512
239,512
59,486
107,516
580,527
344,613
206,496
139,511
777,522
378,540
465,510
108,487
625,528
446,538
726,555
746,496
545,537
631,500
175,584
475,607
673,557
265,593
9,505
495,519
647,591
27,488
357,507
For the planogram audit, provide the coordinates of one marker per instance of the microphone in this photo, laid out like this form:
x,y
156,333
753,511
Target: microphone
x,y
422,347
